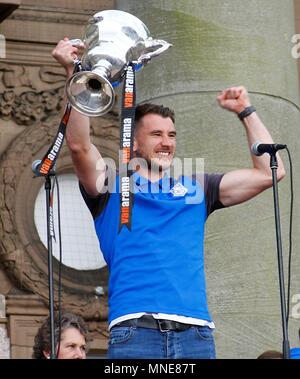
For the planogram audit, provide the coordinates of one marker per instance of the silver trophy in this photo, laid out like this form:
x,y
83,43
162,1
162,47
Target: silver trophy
x,y
112,40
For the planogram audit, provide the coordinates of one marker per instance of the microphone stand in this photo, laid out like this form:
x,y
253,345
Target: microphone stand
x,y
42,168
285,343
50,233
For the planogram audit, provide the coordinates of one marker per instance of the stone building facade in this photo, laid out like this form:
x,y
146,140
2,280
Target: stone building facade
x,y
31,92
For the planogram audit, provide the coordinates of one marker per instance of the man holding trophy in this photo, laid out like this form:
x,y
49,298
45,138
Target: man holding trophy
x,y
157,295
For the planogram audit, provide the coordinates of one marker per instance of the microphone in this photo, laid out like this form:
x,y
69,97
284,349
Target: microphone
x,y
36,165
261,148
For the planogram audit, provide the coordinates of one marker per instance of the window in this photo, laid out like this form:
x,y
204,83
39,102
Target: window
x,y
80,247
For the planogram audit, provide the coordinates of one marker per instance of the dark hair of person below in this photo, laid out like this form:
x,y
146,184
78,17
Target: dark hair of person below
x,y
271,354
43,337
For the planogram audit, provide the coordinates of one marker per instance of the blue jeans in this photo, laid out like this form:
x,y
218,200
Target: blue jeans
x,y
131,342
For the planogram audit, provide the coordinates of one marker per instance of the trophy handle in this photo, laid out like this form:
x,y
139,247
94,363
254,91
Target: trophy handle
x,y
153,48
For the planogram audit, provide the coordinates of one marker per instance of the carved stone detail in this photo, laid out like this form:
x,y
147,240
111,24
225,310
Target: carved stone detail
x,y
7,100
33,107
15,76
22,102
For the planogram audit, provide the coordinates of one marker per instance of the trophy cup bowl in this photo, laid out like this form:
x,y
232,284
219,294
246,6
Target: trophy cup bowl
x,y
112,40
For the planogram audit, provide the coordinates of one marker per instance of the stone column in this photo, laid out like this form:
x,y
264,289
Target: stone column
x,y
219,44
4,340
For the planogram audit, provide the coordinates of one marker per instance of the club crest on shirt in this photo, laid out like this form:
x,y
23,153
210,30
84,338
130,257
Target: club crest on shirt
x,y
178,190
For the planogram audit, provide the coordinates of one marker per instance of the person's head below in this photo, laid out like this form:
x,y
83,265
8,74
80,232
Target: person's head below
x,y
271,354
73,338
155,136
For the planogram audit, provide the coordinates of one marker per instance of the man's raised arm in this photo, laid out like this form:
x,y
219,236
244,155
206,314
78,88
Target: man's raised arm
x,y
88,163
241,185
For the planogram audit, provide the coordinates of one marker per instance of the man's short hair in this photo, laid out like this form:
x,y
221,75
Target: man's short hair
x,y
148,108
